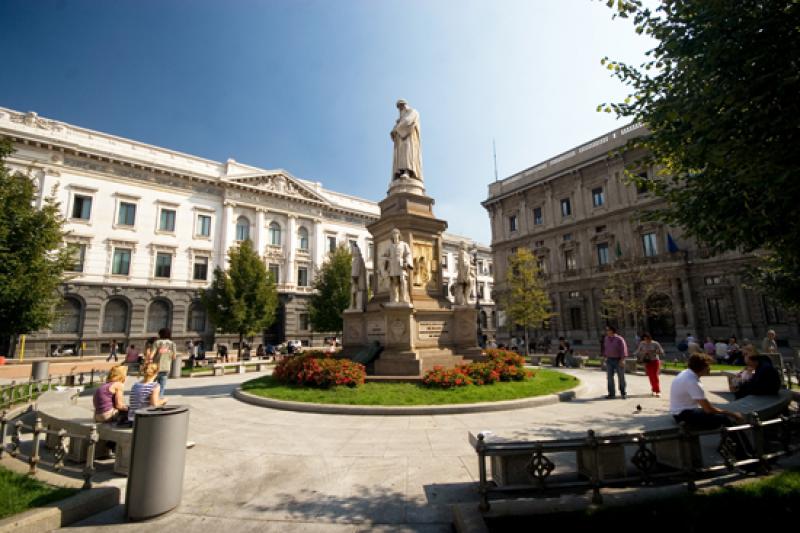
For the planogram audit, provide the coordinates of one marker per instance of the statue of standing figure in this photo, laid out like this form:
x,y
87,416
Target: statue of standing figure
x,y
398,263
465,276
407,162
358,281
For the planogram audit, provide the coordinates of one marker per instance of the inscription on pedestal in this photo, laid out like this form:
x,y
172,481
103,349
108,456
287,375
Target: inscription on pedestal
x,y
432,329
376,330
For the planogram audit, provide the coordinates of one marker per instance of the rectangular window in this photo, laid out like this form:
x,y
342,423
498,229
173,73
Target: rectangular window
x,y
567,237
303,320
575,317
127,214
566,207
491,269
302,277
574,294
82,207
370,251
541,264
602,254
715,307
538,220
204,225
713,280
512,223
121,265
599,229
570,263
167,220
353,243
80,257
275,270
444,261
163,265
772,311
481,287
331,244
649,245
538,244
200,269
598,198
642,182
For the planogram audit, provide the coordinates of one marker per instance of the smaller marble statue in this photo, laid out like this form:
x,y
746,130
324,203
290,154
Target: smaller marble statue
x,y
358,281
398,263
465,276
407,159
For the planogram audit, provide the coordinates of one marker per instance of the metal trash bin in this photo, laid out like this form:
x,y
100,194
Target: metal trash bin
x,y
158,457
175,369
40,370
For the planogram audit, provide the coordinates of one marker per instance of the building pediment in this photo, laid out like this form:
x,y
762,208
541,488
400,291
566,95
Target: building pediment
x,y
282,184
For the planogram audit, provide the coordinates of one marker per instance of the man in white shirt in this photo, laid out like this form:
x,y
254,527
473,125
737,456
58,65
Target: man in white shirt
x,y
687,399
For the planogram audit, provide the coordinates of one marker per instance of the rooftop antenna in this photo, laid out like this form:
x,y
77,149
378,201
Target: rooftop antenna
x,y
494,151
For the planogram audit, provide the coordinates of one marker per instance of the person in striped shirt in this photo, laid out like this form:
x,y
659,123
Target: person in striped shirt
x,y
145,393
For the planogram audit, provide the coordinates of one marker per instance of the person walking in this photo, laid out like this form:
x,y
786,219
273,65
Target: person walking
x,y
649,353
615,350
113,352
164,353
564,348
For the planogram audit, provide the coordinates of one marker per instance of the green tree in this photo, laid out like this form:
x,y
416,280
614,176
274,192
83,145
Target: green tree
x,y
242,299
631,291
719,94
524,298
33,257
331,292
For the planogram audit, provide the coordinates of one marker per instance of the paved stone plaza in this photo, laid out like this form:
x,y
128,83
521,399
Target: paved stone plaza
x,y
258,469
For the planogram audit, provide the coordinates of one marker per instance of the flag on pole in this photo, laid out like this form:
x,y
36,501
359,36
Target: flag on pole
x,y
619,250
671,246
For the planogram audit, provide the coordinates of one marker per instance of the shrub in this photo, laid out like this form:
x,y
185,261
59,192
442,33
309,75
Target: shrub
x,y
509,365
483,373
316,369
446,378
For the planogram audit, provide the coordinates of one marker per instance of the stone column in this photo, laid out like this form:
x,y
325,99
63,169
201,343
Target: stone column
x,y
523,215
687,297
742,310
677,308
319,244
591,318
291,246
228,233
261,231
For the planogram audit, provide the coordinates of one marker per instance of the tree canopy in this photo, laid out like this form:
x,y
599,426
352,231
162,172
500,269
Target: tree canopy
x,y
33,257
242,299
331,292
631,291
719,94
524,299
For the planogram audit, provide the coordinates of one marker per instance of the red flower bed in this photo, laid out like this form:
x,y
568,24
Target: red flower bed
x,y
446,378
500,365
316,369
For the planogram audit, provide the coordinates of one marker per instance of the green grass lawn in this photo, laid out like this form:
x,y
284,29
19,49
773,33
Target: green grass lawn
x,y
545,382
775,500
676,365
19,493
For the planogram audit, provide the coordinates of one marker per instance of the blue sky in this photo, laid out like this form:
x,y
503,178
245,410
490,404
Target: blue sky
x,y
310,85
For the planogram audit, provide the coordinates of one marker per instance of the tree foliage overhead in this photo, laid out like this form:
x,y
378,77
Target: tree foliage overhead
x,y
524,298
33,257
719,94
331,292
242,299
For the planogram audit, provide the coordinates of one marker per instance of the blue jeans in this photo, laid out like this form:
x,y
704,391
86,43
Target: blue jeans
x,y
162,382
615,366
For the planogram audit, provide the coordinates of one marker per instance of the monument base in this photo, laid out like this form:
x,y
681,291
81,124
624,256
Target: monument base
x,y
413,340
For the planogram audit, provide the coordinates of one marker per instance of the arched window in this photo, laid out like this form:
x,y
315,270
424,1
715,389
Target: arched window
x,y
197,317
274,234
115,318
158,315
302,236
242,228
69,317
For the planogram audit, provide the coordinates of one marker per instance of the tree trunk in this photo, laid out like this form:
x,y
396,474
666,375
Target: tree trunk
x,y
239,351
527,351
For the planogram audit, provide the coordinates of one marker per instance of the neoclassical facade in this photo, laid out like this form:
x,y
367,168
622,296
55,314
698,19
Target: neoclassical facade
x,y
151,224
582,221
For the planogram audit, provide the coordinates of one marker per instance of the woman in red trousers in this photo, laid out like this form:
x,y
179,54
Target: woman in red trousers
x,y
649,352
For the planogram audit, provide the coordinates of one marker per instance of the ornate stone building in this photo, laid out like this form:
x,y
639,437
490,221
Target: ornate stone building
x,y
581,220
152,224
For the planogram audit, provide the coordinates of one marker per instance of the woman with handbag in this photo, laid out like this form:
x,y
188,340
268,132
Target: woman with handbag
x,y
649,353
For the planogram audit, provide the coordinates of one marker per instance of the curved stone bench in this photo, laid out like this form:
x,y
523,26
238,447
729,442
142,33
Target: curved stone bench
x,y
79,422
518,463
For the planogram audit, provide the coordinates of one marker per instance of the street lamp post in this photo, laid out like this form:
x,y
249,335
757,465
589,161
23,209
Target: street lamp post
x,y
477,297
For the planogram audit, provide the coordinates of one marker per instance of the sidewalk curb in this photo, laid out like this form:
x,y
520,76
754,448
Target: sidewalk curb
x,y
485,407
62,513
